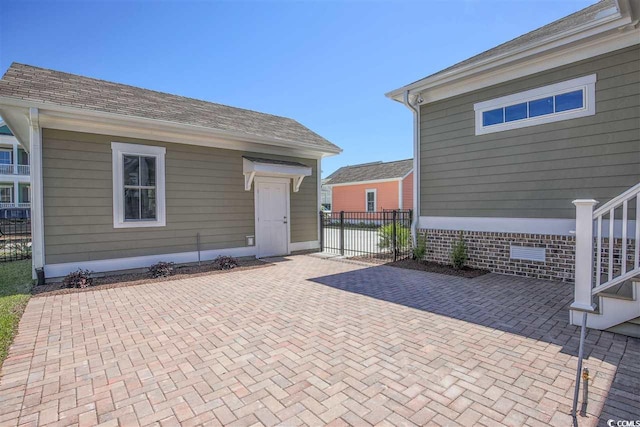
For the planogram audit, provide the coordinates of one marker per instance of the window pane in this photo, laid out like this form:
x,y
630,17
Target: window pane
x,y
25,194
131,170
370,196
131,203
148,204
5,157
493,117
540,107
5,194
515,112
370,206
569,101
148,171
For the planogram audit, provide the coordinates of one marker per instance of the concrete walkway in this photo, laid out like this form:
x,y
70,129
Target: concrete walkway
x,y
313,341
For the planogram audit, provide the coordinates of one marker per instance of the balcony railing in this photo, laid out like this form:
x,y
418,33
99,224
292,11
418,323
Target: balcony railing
x,y
14,169
15,205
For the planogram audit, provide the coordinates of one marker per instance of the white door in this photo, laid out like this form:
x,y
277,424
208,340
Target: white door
x,y
272,228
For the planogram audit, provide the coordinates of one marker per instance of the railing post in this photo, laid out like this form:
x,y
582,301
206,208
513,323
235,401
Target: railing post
x,y
341,233
321,219
583,300
394,236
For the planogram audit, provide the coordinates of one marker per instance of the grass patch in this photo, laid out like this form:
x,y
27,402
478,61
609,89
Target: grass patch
x,y
15,290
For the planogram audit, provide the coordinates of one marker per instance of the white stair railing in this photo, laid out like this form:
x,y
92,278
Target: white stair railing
x,y
608,231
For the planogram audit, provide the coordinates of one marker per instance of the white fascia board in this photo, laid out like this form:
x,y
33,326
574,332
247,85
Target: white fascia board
x,y
372,181
609,34
17,120
80,120
274,169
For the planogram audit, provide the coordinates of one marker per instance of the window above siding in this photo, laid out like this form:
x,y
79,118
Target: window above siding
x,y
560,101
138,185
371,200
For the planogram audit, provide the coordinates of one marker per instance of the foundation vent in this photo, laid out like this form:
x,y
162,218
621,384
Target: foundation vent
x,y
528,253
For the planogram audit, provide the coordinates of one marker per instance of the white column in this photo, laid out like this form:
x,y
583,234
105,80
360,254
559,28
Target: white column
x,y
16,192
583,300
15,158
37,219
400,194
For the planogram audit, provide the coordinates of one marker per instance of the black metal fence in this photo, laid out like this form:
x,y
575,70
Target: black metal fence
x,y
15,239
382,235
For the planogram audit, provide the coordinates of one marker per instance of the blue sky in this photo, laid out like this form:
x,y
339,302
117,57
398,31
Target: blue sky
x,y
326,64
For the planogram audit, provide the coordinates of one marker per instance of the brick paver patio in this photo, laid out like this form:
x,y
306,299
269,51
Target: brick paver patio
x,y
312,341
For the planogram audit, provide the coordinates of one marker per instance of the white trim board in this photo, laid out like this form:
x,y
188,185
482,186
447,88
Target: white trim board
x,y
554,226
371,181
116,264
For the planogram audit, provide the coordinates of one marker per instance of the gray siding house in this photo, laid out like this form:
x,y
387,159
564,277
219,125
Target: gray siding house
x,y
123,177
506,140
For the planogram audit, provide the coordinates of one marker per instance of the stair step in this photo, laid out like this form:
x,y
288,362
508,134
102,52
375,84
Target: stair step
x,y
630,329
622,290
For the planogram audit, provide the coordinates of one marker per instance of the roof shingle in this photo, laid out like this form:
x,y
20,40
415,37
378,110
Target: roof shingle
x,y
371,171
54,87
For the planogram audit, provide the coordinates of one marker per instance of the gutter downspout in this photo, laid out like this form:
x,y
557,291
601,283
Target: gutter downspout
x,y
416,166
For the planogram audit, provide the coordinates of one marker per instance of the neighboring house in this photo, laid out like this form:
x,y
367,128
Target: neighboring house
x,y
372,187
123,177
506,140
15,190
325,195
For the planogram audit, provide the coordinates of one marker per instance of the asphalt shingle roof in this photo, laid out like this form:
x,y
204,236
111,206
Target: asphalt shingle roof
x,y
54,87
371,171
574,20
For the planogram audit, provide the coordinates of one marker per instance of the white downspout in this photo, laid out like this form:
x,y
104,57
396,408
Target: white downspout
x,y
416,165
37,221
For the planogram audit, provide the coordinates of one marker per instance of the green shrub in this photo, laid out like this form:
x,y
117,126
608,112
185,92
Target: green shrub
x,y
420,248
459,255
403,236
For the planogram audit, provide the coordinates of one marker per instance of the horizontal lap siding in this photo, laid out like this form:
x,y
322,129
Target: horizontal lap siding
x,y
534,172
204,194
407,192
352,198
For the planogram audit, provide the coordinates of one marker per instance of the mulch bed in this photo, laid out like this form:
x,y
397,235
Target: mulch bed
x,y
141,278
434,267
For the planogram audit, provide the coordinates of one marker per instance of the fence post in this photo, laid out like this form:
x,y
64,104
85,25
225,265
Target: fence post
x,y
583,300
321,219
341,233
395,236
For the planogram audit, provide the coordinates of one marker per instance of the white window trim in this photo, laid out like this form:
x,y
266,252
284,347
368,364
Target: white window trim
x,y
366,199
118,150
10,187
586,83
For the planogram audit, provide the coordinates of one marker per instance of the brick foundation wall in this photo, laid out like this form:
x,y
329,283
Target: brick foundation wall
x,y
491,251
